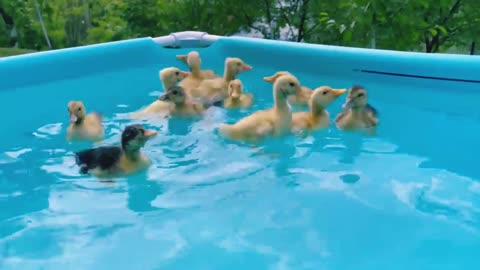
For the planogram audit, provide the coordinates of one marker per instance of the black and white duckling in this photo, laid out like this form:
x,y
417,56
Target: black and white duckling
x,y
107,161
83,126
357,113
236,97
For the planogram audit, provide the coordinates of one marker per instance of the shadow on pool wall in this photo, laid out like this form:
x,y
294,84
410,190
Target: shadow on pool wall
x,y
433,141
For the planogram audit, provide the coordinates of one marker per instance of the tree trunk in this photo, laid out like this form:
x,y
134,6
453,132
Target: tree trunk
x,y
44,29
472,48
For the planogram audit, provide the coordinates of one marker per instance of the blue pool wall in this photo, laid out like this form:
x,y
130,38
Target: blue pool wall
x,y
31,69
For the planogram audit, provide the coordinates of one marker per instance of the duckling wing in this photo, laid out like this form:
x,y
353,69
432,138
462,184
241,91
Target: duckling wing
x,y
371,110
104,157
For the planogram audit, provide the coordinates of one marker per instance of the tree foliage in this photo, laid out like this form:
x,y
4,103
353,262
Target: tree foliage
x,y
412,25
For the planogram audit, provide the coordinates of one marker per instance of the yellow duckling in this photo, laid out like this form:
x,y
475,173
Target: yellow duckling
x,y
169,77
271,122
83,126
193,60
357,113
300,99
217,88
318,117
181,105
236,98
105,161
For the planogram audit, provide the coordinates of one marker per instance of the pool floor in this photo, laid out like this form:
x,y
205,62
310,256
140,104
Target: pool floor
x,y
408,198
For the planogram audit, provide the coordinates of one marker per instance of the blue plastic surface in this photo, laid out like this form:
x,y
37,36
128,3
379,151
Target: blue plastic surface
x,y
70,63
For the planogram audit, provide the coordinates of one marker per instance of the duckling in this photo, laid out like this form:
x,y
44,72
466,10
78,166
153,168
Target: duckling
x,y
192,59
181,105
301,99
236,98
318,117
357,113
106,161
217,88
169,77
271,122
83,126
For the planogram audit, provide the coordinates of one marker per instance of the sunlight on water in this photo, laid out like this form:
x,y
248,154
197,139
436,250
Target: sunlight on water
x,y
406,199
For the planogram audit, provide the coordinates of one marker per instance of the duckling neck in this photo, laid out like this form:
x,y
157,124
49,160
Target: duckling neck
x,y
280,102
317,111
167,85
132,154
357,111
79,121
195,70
228,75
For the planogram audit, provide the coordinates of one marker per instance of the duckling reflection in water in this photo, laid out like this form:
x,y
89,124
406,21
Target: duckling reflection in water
x,y
107,161
357,114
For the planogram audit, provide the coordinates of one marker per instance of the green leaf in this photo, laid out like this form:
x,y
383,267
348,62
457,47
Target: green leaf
x,y
442,29
433,31
324,14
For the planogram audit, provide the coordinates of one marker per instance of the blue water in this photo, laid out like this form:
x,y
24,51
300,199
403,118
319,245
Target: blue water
x,y
408,198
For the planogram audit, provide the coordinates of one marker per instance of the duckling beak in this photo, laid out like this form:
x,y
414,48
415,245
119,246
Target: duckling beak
x,y
164,97
184,73
73,118
338,92
235,95
269,79
150,133
246,67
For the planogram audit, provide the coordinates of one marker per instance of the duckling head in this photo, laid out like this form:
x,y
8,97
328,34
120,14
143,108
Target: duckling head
x,y
134,137
324,95
286,85
275,76
235,89
76,111
236,65
175,94
192,59
357,98
172,75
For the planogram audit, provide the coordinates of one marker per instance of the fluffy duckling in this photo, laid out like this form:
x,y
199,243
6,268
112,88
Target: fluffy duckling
x,y
169,77
236,98
271,122
181,105
318,117
357,113
217,87
193,60
301,99
83,126
106,161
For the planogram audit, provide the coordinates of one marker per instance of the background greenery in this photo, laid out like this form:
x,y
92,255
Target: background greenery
x,y
411,25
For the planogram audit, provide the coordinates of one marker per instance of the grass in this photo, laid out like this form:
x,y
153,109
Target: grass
x,y
13,51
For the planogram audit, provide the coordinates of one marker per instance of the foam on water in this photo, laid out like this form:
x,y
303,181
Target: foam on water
x,y
408,198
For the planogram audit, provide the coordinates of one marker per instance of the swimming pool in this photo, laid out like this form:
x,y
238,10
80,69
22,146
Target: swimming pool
x,y
408,198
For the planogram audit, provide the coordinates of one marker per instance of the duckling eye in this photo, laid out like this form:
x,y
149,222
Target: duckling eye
x,y
325,92
360,95
239,64
177,73
174,92
79,109
291,84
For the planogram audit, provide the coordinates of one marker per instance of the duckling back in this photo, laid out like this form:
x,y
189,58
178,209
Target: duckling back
x,y
104,158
